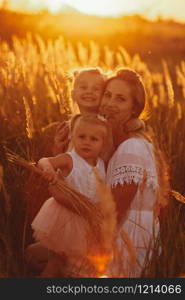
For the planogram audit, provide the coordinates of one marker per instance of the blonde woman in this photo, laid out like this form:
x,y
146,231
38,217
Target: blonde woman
x,y
134,170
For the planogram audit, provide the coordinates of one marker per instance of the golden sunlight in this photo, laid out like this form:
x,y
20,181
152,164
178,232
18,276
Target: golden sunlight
x,y
151,9
55,5
103,7
91,7
100,262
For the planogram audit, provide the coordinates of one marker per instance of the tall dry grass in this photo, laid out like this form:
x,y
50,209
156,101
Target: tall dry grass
x,y
35,87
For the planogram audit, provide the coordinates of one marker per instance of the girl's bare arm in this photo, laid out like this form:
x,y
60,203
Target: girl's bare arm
x,y
51,164
62,161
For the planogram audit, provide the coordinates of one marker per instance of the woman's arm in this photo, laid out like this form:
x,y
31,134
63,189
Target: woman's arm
x,y
61,139
123,195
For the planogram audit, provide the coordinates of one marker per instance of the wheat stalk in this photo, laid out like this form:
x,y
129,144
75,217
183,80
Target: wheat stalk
x,y
5,193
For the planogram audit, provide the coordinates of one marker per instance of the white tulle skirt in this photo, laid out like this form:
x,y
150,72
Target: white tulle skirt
x,y
60,230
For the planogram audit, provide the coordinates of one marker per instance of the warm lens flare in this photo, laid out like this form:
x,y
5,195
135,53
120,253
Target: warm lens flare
x,y
100,262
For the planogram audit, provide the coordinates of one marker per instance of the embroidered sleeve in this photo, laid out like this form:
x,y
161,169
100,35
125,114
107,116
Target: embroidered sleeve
x,y
127,173
133,165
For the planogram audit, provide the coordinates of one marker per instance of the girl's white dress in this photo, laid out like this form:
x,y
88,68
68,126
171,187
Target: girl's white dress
x,y
55,226
134,162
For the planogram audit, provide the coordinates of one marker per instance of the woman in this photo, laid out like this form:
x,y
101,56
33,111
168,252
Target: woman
x,y
134,169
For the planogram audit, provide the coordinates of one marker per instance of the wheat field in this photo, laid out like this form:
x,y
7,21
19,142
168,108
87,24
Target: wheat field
x,y
35,82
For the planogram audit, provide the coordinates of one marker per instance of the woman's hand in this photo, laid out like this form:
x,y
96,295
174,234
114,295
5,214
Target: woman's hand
x,y
61,139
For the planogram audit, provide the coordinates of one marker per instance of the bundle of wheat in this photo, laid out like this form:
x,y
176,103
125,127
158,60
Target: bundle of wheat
x,y
73,200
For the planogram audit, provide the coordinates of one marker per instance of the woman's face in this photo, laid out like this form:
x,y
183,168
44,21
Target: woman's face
x,y
87,92
117,102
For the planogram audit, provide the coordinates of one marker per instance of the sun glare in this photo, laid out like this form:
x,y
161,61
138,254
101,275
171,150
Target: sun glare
x,y
99,7
91,7
152,8
55,5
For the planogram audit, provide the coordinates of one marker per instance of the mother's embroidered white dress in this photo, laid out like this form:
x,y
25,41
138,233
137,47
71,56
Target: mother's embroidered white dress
x,y
134,162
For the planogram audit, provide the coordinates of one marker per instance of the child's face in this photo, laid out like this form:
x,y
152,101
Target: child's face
x,y
88,140
87,91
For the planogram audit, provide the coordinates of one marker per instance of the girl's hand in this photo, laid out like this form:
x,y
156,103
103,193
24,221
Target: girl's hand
x,y
61,139
50,176
49,172
45,165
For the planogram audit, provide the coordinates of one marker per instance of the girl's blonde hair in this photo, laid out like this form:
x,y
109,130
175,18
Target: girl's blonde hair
x,y
94,70
90,119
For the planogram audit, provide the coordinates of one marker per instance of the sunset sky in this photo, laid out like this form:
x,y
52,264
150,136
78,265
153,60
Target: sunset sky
x,y
150,8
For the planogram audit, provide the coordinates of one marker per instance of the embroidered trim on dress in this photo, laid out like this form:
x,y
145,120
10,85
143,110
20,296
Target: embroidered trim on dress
x,y
133,173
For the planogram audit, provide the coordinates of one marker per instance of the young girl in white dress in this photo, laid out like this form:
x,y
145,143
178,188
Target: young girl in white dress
x,y
56,227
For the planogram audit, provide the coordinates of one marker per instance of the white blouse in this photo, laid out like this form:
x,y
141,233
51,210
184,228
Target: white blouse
x,y
82,177
134,162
